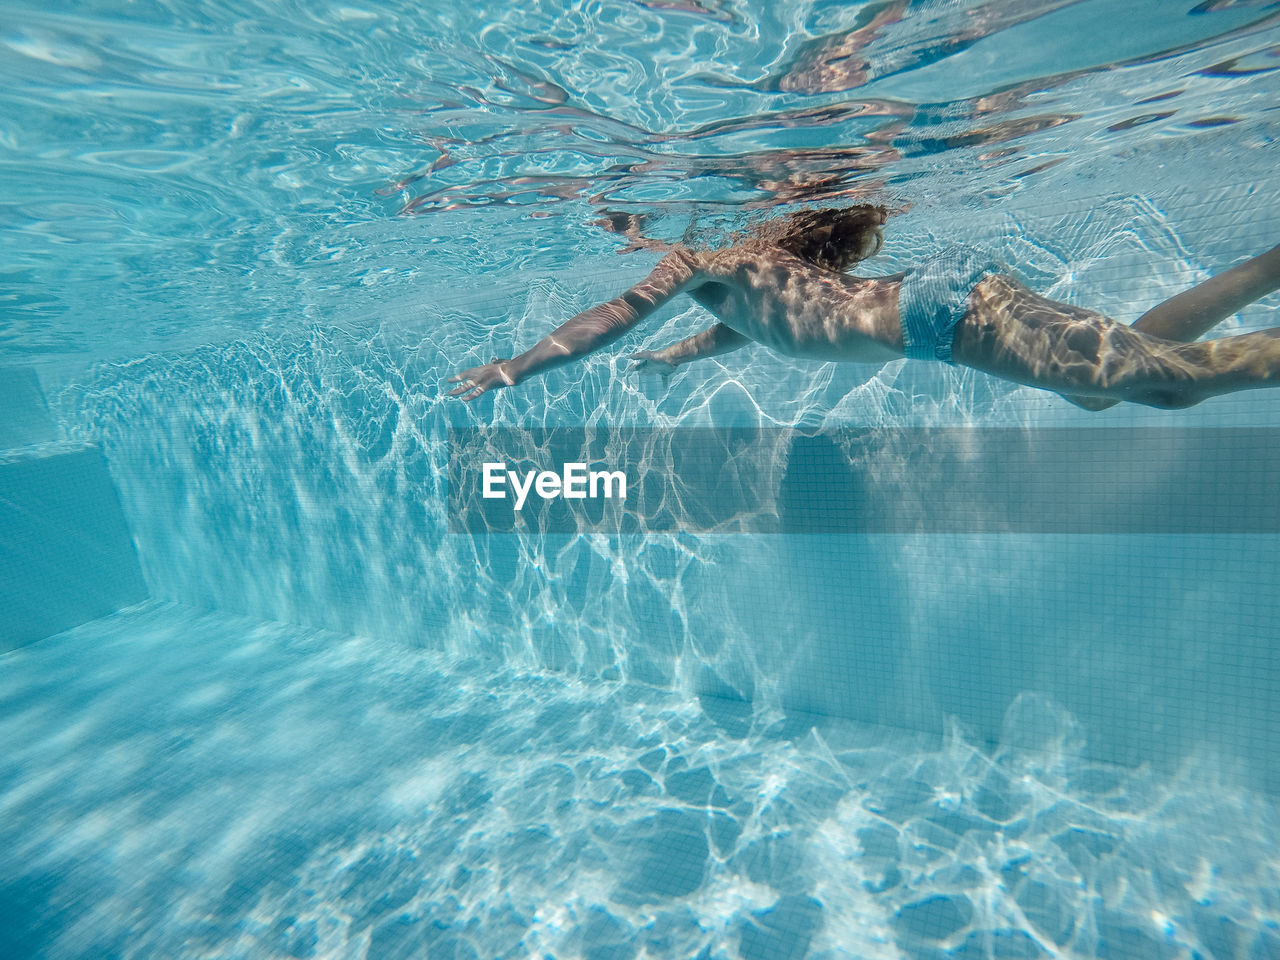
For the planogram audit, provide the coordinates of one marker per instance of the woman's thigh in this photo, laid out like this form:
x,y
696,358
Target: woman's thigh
x,y
1014,333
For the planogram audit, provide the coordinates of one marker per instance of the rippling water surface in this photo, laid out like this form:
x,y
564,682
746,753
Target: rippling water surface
x,y
176,174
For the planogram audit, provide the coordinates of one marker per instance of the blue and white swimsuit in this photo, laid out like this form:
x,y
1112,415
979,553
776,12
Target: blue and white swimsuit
x,y
934,296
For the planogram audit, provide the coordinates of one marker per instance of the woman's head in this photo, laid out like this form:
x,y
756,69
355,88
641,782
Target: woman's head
x,y
831,238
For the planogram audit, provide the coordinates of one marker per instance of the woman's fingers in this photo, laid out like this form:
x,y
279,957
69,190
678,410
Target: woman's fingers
x,y
646,361
477,381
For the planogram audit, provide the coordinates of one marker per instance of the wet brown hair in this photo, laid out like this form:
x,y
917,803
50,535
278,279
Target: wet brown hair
x,y
831,238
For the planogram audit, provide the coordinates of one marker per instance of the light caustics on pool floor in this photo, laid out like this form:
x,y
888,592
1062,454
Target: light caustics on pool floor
x,y
182,784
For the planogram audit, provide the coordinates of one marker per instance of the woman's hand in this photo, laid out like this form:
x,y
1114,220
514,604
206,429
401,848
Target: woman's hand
x,y
647,361
480,380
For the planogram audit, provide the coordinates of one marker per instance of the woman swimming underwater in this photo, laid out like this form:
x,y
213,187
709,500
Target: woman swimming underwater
x,y
783,286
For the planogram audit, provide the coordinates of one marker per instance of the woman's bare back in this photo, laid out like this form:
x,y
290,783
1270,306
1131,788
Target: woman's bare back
x,y
774,298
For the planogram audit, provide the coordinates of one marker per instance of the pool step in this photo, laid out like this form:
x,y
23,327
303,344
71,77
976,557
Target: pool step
x,y
24,418
66,555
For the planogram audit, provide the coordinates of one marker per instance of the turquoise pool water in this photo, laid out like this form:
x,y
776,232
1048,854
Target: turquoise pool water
x,y
259,701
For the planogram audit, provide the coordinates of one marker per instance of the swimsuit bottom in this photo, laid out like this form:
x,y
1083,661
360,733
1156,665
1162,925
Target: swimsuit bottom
x,y
934,296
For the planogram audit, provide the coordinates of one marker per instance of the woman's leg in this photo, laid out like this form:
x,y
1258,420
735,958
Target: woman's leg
x,y
1191,314
1018,335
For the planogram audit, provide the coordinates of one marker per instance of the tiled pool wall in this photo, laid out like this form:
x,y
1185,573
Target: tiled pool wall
x,y
298,477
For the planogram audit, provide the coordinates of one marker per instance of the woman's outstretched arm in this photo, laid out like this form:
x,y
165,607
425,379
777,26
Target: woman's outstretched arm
x,y
711,342
588,331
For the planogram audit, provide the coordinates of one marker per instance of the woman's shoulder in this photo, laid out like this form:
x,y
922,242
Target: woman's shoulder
x,y
750,256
